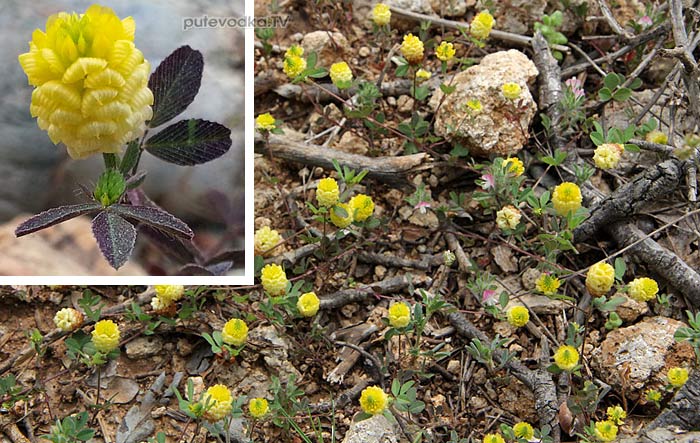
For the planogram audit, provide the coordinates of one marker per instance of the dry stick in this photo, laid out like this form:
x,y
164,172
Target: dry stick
x,y
614,25
391,170
345,296
690,73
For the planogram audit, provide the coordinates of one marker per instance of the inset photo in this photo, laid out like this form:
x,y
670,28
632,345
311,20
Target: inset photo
x,y
122,148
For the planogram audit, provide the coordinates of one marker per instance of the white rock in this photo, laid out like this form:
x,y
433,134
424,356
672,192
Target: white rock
x,y
376,429
144,347
329,46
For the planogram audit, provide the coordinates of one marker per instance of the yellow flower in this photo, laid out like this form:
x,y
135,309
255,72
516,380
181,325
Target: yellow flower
x,y
523,430
105,336
68,319
235,332
423,75
547,284
169,294
257,407
445,51
265,240
566,357
607,155
294,51
327,192
265,122
518,316
158,304
511,90
677,377
508,217
341,75
91,83
605,430
657,137
399,315
362,207
412,49
218,401
643,289
600,278
308,304
381,14
274,279
616,414
373,400
653,396
338,219
515,166
493,438
481,25
475,106
566,198
294,65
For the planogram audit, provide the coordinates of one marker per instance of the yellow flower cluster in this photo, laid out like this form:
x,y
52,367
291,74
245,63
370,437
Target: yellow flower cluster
x,y
511,90
566,358
514,165
235,332
524,430
657,137
218,401
327,192
508,217
677,377
265,122
643,289
68,319
547,284
518,316
105,336
308,304
600,278
445,51
91,83
274,279
475,106
481,25
257,407
399,315
294,64
166,296
608,155
362,207
381,14
605,430
341,75
566,198
423,75
493,438
265,240
339,219
412,49
616,414
373,400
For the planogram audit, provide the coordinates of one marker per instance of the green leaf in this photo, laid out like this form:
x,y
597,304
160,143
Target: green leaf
x,y
622,94
636,83
629,147
604,94
447,89
131,157
620,268
190,142
611,81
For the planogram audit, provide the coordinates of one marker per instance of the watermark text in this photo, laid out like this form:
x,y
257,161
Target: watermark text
x,y
204,21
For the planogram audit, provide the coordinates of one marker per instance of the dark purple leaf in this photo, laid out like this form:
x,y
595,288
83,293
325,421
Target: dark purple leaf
x,y
229,255
55,216
115,237
213,270
175,83
177,249
156,218
190,142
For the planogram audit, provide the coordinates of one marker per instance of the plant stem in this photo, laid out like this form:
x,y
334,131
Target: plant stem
x,y
99,385
111,160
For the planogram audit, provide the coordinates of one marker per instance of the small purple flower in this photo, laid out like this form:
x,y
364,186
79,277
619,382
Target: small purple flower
x,y
488,181
576,87
487,296
422,207
645,21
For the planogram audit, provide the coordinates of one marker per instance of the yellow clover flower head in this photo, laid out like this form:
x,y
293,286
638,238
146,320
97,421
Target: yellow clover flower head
x,y
566,358
566,198
91,83
657,137
677,377
445,51
265,240
518,316
235,332
643,289
547,284
608,155
493,438
308,304
381,14
68,319
341,75
362,207
653,396
600,278
265,122
169,293
475,105
616,414
514,165
524,430
511,90
257,407
605,430
423,75
508,217
218,401
293,66
412,49
105,336
294,51
337,217
327,192
399,315
274,279
481,25
373,400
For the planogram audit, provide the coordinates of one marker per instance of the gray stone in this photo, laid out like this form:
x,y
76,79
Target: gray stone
x,y
329,46
376,429
144,347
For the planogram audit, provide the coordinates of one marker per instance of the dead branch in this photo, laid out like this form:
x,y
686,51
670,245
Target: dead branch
x,y
614,25
345,296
